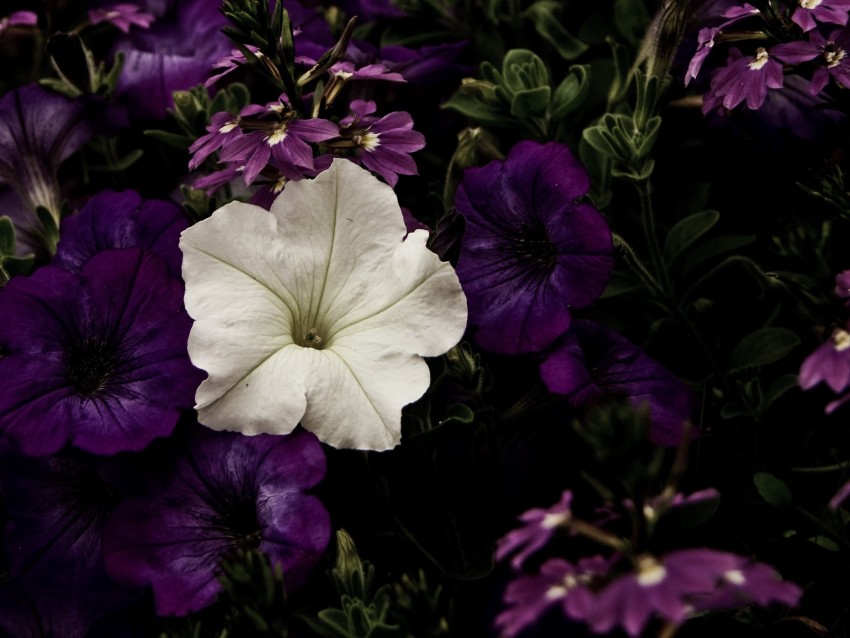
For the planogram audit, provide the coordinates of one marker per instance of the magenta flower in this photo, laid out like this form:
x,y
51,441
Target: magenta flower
x,y
559,583
591,362
744,78
706,37
382,145
540,525
810,12
829,363
831,53
18,19
95,358
532,249
224,492
123,16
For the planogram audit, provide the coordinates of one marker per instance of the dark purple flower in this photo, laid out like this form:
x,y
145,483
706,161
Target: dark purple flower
x,y
226,492
842,285
40,129
95,358
122,15
744,78
18,19
427,65
831,51
175,53
57,507
682,582
558,583
829,363
532,250
382,145
706,37
122,220
810,12
591,362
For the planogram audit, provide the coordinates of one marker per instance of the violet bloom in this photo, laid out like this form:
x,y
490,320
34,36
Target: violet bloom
x,y
559,583
57,507
18,19
95,358
123,16
540,525
744,78
810,12
682,582
842,285
382,145
122,220
39,129
175,53
829,363
592,362
226,492
831,53
706,37
533,250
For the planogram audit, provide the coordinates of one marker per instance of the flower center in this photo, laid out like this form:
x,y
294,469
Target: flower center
x,y
532,246
367,141
650,571
312,339
809,4
236,516
760,59
840,340
90,364
833,55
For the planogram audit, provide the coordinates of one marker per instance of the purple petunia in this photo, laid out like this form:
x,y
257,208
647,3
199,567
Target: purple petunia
x,y
95,358
224,493
122,220
533,250
123,16
592,361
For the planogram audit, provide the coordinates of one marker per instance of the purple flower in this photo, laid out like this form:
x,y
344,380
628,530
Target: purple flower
x,y
18,18
682,582
832,52
40,129
57,507
591,362
174,54
226,492
122,15
743,78
840,496
842,285
122,220
810,12
706,37
427,65
829,363
558,583
95,358
382,145
539,527
532,249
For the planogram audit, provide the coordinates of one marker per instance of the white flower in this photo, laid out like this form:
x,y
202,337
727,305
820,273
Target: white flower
x,y
317,311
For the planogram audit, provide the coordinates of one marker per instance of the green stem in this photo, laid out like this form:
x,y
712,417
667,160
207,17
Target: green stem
x,y
823,469
648,219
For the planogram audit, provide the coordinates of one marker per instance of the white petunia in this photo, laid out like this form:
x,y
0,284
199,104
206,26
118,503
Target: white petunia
x,y
317,311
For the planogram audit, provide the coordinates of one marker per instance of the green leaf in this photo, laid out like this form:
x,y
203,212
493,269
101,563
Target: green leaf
x,y
18,265
765,345
174,140
779,388
467,103
631,19
825,542
709,249
7,236
531,103
773,490
620,283
545,14
686,231
572,92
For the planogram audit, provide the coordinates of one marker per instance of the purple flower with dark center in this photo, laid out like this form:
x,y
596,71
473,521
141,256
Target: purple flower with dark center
x,y
382,145
681,582
592,362
224,493
40,129
175,53
123,16
831,51
744,78
539,526
18,19
829,363
532,250
57,507
122,220
95,358
559,583
810,12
